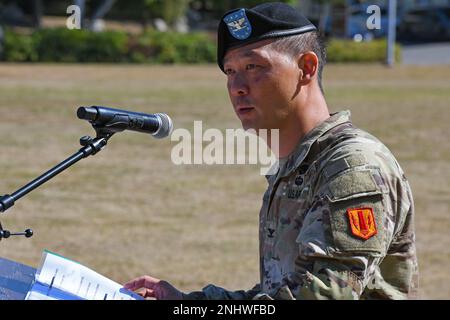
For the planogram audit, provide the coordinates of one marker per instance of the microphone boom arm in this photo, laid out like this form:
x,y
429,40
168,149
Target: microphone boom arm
x,y
90,145
113,121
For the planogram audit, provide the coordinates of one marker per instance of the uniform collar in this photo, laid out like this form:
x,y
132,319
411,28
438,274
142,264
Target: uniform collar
x,y
300,152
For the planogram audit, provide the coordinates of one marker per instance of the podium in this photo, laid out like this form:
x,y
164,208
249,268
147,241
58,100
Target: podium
x,y
58,278
16,279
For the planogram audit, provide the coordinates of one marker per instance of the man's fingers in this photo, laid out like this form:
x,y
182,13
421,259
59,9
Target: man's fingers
x,y
133,284
141,282
149,293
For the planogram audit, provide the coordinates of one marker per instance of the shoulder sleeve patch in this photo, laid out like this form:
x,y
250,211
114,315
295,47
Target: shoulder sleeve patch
x,y
357,226
362,222
357,213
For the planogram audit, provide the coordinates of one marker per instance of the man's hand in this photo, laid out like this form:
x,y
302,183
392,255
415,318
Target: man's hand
x,y
154,288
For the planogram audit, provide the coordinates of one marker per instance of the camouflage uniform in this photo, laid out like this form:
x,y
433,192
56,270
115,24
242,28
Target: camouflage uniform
x,y
307,246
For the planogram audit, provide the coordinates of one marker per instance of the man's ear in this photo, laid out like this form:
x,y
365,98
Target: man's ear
x,y
308,64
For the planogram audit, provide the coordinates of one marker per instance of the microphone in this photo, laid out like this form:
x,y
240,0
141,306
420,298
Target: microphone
x,y
158,125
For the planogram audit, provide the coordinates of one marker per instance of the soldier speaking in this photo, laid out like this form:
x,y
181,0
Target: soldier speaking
x,y
337,220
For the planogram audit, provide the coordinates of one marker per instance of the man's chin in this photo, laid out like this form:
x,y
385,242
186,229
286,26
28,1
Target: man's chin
x,y
247,125
250,127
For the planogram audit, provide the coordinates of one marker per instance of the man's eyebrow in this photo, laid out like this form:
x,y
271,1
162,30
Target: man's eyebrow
x,y
247,54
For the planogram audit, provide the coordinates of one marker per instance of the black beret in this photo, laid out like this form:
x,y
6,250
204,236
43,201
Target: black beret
x,y
269,20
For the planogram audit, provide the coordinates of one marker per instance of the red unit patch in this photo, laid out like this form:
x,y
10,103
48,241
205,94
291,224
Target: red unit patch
x,y
362,222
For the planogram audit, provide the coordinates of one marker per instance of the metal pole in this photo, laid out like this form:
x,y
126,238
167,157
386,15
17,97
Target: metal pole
x,y
390,55
92,148
82,5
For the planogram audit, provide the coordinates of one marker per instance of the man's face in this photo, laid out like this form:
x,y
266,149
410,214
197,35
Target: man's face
x,y
262,84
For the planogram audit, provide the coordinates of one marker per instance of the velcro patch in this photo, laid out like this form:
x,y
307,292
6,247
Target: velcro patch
x,y
363,233
339,165
351,184
362,222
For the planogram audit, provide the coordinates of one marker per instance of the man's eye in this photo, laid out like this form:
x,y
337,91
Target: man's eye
x,y
250,66
228,71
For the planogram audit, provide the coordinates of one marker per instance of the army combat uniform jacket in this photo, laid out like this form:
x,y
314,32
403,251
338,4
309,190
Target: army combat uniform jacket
x,y
337,222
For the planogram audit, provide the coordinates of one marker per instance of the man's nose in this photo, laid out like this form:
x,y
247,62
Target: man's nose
x,y
238,86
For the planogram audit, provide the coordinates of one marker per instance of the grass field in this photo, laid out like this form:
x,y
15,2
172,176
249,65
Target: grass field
x,y
129,211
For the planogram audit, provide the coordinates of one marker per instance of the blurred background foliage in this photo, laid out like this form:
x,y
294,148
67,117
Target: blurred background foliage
x,y
143,11
179,31
64,45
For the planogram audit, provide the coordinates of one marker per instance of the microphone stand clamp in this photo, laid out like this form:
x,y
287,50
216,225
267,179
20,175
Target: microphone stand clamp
x,y
4,234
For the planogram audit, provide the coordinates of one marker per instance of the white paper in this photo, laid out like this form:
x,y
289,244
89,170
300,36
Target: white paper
x,y
59,278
